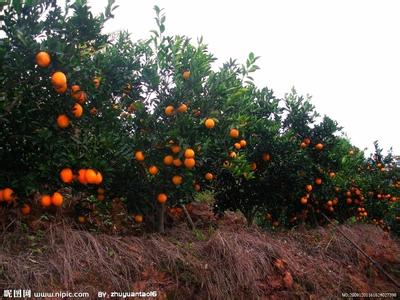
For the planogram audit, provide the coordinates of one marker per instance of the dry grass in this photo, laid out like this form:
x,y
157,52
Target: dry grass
x,y
223,263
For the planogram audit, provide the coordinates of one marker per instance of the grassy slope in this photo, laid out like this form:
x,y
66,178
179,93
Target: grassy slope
x,y
220,260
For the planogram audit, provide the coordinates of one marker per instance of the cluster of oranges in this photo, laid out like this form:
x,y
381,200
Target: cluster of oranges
x,y
170,110
56,199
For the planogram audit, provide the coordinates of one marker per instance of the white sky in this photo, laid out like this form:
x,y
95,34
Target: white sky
x,y
346,54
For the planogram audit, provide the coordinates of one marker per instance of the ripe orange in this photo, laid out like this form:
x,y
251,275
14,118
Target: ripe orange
x,y
96,82
100,191
319,146
266,156
162,198
182,108
66,175
177,180
169,110
82,176
189,163
57,199
61,90
318,181
234,133
43,59
209,123
237,146
189,153
177,162
77,110
62,121
8,195
100,197
58,79
74,89
303,200
93,111
253,166
45,201
243,143
25,209
99,178
303,145
81,97
138,219
309,187
197,187
90,176
168,160
175,149
232,154
186,74
139,156
332,174
209,176
307,141
329,203
153,170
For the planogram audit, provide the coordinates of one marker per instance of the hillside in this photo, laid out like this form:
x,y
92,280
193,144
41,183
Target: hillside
x,y
219,260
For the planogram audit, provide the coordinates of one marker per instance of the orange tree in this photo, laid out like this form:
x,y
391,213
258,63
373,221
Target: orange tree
x,y
61,84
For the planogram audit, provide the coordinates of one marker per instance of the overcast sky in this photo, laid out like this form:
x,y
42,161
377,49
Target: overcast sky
x,y
346,54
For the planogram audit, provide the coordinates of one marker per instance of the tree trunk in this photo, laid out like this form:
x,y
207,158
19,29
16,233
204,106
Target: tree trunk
x,y
161,217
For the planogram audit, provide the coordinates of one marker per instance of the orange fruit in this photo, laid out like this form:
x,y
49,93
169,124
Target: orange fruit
x,y
45,201
74,89
162,198
96,82
168,160
243,143
175,149
99,178
237,146
177,180
266,157
189,163
319,146
318,181
8,195
138,219
93,111
77,110
182,108
91,176
100,191
209,123
332,174
100,197
303,200
25,209
189,153
186,74
139,156
169,110
81,219
253,166
58,79
61,89
81,97
309,187
153,170
234,133
209,176
43,59
303,145
177,162
62,121
57,199
197,187
66,175
232,154
307,141
329,203
82,176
